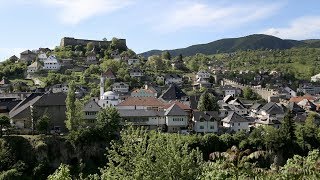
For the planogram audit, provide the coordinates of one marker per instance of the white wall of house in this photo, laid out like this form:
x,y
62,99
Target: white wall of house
x,y
32,69
133,61
120,88
173,80
230,92
42,57
136,74
63,88
176,120
104,103
51,63
155,121
206,126
242,111
204,75
237,126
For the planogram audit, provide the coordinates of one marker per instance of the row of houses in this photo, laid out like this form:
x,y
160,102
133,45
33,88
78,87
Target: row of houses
x,y
170,110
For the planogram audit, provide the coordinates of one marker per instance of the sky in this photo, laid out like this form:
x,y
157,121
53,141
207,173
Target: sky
x,y
147,25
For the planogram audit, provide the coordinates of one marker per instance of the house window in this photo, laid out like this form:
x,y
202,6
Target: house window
x,y
238,124
211,127
232,124
201,127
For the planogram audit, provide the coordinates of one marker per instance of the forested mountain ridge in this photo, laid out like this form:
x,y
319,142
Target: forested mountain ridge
x,y
253,42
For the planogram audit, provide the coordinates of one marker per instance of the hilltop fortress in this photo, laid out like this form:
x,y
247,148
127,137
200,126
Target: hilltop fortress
x,y
70,41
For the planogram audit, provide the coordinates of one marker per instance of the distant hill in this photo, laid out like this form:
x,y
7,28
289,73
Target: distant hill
x,y
253,42
315,43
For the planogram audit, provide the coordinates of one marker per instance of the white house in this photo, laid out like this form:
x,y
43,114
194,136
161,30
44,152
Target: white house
x,y
109,99
136,73
173,79
235,122
271,111
203,74
42,57
176,118
51,63
229,90
315,78
151,119
120,87
205,122
290,91
91,58
309,89
57,88
91,109
34,67
133,61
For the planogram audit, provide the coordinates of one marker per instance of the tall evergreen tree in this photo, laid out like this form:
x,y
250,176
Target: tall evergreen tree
x,y
208,102
288,128
71,107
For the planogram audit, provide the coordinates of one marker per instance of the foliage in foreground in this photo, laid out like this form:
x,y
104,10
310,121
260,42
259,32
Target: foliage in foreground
x,y
152,155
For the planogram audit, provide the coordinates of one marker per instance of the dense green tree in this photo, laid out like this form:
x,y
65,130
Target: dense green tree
x,y
151,155
4,122
117,44
108,121
307,134
302,167
42,124
208,102
90,46
62,173
249,94
166,55
156,62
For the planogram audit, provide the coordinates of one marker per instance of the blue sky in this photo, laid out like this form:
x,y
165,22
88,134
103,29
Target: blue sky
x,y
162,24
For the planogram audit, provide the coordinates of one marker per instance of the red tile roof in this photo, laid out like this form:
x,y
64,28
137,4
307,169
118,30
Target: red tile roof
x,y
300,98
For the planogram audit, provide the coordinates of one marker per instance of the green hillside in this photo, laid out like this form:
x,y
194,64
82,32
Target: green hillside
x,y
253,42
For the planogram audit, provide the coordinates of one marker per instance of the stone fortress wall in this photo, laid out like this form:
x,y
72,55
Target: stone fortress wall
x,y
70,41
263,92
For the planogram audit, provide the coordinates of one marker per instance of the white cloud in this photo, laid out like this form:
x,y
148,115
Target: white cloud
x,y
191,15
300,28
74,11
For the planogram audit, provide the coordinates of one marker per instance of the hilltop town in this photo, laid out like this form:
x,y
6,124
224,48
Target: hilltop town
x,y
87,84
146,91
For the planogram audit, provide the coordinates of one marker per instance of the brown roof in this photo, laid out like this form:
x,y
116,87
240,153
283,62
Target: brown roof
x,y
178,103
142,101
108,74
300,98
